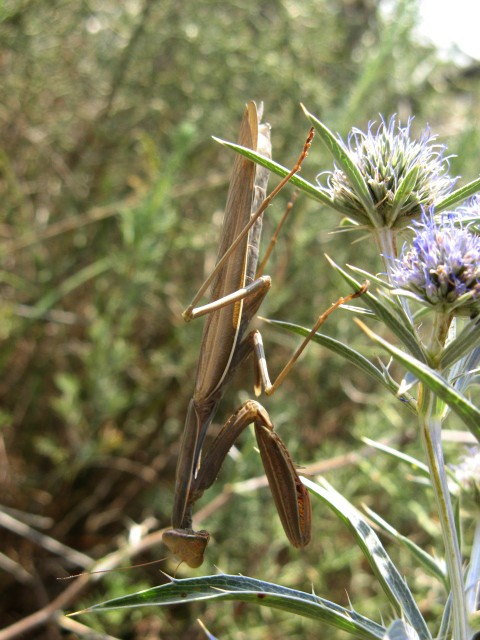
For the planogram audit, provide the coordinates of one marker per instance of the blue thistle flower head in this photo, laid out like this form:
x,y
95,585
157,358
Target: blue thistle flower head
x,y
442,265
389,159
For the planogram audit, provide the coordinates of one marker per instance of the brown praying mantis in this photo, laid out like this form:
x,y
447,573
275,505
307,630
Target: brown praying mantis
x,y
236,295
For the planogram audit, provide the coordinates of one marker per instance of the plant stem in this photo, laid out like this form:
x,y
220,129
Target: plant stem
x,y
386,241
472,584
430,425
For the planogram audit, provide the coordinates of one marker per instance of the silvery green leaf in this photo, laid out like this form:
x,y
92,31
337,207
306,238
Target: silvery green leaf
x,y
457,196
349,354
446,623
336,346
400,630
463,344
299,182
242,588
428,562
403,192
463,408
384,569
415,465
395,320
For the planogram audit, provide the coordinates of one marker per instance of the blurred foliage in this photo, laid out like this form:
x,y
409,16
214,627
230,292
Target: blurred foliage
x,y
112,194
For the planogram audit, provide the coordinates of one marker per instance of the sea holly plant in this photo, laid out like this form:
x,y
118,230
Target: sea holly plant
x,y
392,186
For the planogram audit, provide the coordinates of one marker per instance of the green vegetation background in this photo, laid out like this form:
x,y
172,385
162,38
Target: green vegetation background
x,y
112,194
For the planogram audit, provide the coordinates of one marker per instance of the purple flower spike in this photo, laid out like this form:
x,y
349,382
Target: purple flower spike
x,y
442,266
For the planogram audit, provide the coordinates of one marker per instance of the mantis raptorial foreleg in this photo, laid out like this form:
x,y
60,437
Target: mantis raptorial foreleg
x,y
289,494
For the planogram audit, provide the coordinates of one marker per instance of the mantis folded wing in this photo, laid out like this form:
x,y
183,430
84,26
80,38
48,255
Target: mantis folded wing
x,y
225,322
